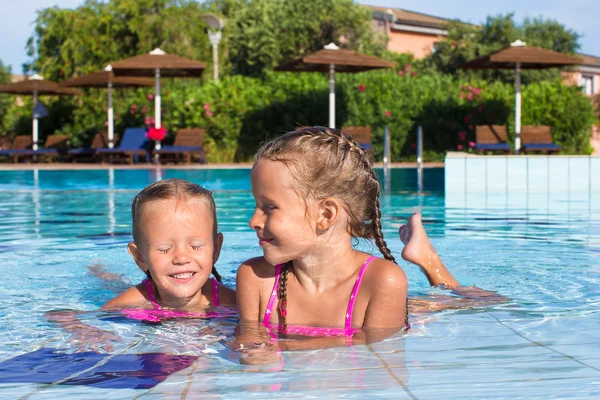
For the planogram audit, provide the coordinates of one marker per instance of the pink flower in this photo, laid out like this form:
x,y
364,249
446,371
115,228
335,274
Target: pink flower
x,y
481,108
134,107
414,145
388,113
361,87
105,123
470,96
144,110
471,144
470,87
476,91
462,95
150,96
209,114
407,67
149,121
459,147
206,107
471,127
462,135
414,73
400,73
466,119
156,133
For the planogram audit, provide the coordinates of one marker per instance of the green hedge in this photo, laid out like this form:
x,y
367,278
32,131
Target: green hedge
x,y
240,113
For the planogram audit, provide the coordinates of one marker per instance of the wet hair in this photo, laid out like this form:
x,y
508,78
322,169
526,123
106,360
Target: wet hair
x,y
325,163
171,189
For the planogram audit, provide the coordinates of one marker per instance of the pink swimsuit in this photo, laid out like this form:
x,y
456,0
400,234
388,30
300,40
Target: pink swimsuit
x,y
158,313
347,330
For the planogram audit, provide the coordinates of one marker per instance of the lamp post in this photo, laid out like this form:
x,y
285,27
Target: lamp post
x,y
215,26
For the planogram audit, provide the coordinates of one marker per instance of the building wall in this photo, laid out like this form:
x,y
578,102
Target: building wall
x,y
419,44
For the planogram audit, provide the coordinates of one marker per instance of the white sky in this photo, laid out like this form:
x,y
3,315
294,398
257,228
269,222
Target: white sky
x,y
583,16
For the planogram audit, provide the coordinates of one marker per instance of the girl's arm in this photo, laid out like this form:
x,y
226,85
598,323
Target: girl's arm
x,y
83,335
251,280
132,297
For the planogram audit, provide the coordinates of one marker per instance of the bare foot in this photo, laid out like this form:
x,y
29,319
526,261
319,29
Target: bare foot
x,y
419,251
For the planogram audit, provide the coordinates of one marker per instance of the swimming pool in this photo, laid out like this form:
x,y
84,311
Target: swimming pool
x,y
542,251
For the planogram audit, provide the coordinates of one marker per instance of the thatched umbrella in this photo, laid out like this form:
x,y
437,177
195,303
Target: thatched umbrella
x,y
107,79
36,86
332,59
155,64
520,56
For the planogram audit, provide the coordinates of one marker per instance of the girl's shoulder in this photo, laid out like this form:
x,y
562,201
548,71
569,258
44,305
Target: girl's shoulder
x,y
135,297
256,268
385,275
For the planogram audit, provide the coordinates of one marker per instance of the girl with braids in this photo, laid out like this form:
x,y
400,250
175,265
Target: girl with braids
x,y
176,244
315,193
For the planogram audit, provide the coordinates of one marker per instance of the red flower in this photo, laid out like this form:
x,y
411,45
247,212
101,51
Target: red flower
x,y
388,113
414,73
472,144
361,87
407,67
459,147
150,96
156,133
400,73
462,135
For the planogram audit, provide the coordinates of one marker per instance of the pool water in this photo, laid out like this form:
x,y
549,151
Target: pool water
x,y
540,250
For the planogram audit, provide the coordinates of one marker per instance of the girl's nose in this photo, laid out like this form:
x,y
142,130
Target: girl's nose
x,y
255,222
180,257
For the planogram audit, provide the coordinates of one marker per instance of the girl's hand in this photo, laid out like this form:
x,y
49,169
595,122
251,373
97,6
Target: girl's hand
x,y
91,338
259,353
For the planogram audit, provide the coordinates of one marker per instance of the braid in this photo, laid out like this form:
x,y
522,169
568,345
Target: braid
x,y
282,295
216,274
376,226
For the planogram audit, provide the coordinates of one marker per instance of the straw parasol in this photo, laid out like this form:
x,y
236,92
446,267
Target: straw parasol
x,y
36,86
107,79
520,56
157,63
332,59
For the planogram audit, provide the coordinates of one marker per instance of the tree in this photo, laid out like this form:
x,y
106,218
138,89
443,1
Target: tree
x,y
5,74
465,42
264,33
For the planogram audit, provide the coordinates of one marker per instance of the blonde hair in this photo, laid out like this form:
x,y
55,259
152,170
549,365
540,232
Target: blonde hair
x,y
325,163
171,189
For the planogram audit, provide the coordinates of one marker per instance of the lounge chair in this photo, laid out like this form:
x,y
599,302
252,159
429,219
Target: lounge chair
x,y
100,141
134,144
362,136
491,138
20,142
56,145
188,142
538,138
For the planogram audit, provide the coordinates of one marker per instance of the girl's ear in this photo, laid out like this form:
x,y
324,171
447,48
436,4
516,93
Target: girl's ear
x,y
328,213
137,257
217,247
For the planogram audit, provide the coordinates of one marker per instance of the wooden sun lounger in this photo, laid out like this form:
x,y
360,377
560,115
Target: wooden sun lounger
x,y
100,141
55,146
20,142
491,138
538,138
188,143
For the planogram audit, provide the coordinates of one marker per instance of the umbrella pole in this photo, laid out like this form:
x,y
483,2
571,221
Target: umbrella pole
x,y
34,132
518,108
332,96
111,120
157,121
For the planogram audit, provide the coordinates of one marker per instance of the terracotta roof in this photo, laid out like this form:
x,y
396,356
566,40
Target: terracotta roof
x,y
411,17
344,61
530,57
591,61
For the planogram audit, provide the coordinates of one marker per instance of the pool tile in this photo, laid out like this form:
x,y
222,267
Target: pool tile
x,y
476,174
516,174
595,174
558,170
579,174
455,175
496,174
537,174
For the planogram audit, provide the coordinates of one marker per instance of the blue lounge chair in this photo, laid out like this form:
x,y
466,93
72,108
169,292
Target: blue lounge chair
x,y
491,138
55,146
188,142
134,144
538,138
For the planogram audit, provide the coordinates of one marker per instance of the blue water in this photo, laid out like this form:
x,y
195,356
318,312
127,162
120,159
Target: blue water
x,y
540,250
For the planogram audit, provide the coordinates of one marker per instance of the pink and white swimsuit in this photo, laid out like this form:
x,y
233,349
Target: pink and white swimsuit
x,y
158,313
317,331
